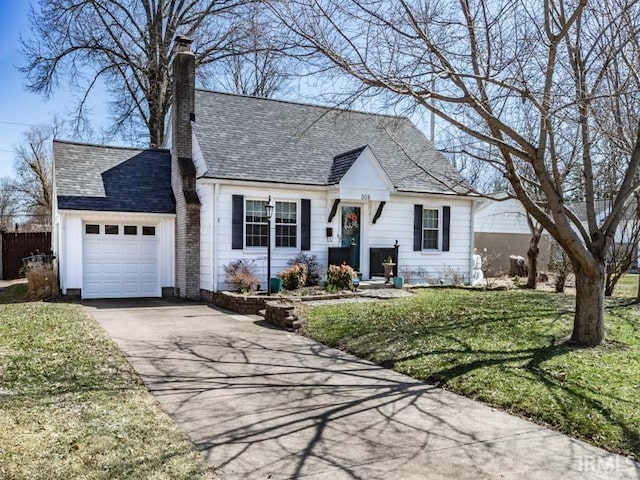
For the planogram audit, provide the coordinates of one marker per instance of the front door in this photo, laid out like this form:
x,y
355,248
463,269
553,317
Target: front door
x,y
351,220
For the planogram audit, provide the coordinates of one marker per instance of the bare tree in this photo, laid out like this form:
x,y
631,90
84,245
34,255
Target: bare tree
x,y
34,174
8,203
126,45
624,250
534,80
267,66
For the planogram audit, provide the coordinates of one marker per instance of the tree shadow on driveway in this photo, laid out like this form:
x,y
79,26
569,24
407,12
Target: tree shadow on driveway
x,y
264,403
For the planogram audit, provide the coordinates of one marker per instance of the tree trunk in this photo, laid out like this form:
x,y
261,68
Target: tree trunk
x,y
532,261
588,324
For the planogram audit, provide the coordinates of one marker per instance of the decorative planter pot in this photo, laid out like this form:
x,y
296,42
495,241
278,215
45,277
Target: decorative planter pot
x,y
388,271
276,284
398,282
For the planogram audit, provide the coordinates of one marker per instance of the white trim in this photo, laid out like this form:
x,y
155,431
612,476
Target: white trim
x,y
214,236
265,185
271,233
439,230
155,239
472,238
107,214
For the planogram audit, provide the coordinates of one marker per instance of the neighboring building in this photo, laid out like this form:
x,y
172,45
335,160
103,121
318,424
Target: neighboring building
x,y
130,222
501,230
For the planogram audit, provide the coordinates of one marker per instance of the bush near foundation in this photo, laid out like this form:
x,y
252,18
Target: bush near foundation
x,y
294,277
340,277
241,275
314,270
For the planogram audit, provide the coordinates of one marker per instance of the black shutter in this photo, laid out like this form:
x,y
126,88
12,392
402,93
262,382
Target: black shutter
x,y
417,228
237,214
446,221
305,223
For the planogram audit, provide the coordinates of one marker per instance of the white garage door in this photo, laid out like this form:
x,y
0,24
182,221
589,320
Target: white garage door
x,y
120,261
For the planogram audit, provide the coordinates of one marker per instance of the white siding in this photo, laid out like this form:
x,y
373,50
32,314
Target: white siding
x,y
279,256
507,216
70,248
395,223
205,194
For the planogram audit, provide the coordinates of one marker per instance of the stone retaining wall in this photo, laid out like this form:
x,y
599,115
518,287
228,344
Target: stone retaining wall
x,y
236,302
281,314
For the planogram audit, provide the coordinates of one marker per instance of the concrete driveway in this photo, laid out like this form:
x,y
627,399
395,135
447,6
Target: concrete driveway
x,y
266,404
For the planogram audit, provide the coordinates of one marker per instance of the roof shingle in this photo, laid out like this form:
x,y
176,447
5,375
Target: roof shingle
x,y
258,139
116,179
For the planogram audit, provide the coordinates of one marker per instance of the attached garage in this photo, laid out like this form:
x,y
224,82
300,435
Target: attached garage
x,y
120,261
113,229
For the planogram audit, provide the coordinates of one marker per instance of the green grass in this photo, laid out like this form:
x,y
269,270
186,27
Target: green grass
x,y
71,407
627,286
506,349
14,294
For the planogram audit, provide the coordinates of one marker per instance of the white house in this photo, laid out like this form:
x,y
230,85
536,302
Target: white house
x,y
501,229
131,222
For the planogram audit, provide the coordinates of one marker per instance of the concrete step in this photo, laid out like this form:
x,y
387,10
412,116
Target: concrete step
x,y
374,284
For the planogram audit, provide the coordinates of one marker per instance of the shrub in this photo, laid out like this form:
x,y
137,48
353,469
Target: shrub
x,y
294,277
241,274
42,281
314,270
340,277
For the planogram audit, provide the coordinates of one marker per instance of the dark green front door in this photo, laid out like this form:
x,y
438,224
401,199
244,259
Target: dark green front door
x,y
351,232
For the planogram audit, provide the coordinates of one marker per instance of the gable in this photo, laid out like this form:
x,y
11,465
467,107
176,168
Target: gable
x,y
365,179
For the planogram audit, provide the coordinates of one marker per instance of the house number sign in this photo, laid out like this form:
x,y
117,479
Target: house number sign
x,y
365,196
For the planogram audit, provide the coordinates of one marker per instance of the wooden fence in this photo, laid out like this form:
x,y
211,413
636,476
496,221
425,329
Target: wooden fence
x,y
16,246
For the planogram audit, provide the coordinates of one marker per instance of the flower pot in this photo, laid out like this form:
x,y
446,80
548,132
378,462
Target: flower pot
x,y
388,271
398,282
276,284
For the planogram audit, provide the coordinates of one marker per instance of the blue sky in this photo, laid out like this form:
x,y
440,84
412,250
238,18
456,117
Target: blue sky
x,y
19,108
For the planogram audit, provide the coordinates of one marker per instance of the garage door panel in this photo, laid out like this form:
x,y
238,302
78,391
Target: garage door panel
x,y
92,248
91,268
120,266
148,268
111,268
130,268
147,250
112,249
131,249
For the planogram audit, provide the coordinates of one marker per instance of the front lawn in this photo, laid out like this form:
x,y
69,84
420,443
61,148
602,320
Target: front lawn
x,y
71,407
507,349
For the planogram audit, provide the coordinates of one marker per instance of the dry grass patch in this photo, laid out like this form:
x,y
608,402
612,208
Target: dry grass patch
x,y
71,406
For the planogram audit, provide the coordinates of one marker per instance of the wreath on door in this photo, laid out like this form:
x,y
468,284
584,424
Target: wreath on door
x,y
351,220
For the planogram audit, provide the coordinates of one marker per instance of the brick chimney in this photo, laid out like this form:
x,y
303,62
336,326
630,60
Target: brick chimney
x,y
183,172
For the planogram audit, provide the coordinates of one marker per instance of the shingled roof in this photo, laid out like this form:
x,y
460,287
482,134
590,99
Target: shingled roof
x,y
257,139
115,179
